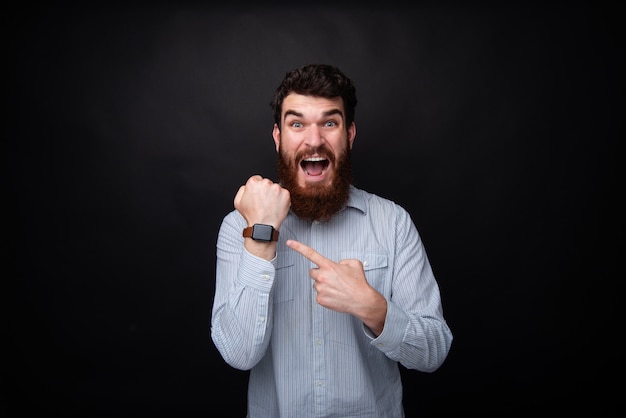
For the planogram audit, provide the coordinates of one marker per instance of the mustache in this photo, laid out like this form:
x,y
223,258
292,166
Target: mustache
x,y
321,151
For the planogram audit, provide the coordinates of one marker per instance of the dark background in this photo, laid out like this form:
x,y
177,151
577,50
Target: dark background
x,y
130,128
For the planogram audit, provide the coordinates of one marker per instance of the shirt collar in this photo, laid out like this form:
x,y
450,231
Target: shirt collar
x,y
357,199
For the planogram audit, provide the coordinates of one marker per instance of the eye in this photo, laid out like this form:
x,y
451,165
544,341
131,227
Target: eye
x,y
295,124
330,123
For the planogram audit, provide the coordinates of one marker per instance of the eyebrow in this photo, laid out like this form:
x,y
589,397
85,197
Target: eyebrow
x,y
335,111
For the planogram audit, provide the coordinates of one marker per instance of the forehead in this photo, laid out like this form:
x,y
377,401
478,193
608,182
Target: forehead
x,y
311,105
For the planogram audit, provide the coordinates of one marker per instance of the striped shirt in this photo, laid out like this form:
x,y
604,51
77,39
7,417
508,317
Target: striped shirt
x,y
309,361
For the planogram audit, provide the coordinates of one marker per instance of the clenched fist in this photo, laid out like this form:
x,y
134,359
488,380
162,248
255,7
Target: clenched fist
x,y
261,201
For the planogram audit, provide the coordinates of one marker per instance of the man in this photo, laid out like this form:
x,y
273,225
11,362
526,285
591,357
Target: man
x,y
322,289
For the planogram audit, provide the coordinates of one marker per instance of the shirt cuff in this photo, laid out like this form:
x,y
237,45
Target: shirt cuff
x,y
256,272
393,332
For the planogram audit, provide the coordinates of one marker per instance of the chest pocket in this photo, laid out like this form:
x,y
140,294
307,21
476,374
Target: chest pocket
x,y
375,266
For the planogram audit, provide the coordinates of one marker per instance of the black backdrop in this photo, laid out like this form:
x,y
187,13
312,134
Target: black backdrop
x,y
130,129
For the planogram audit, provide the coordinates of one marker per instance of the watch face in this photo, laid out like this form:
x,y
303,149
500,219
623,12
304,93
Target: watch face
x,y
262,232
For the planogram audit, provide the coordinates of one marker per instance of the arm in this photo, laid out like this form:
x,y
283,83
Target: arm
x,y
241,320
242,309
416,333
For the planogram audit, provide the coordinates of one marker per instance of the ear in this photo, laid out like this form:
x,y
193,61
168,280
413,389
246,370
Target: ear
x,y
351,133
276,136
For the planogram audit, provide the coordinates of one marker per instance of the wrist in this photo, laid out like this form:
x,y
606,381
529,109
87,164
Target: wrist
x,y
261,233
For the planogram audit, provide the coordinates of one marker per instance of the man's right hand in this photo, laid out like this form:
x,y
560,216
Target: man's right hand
x,y
261,201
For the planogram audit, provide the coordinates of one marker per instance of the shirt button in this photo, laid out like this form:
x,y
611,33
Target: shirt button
x,y
318,341
265,276
365,264
261,318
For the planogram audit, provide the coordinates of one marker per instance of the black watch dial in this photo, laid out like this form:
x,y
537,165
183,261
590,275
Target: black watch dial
x,y
262,232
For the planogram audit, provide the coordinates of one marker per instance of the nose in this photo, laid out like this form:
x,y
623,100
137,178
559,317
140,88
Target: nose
x,y
314,136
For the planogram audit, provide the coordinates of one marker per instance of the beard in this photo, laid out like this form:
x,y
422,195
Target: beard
x,y
317,202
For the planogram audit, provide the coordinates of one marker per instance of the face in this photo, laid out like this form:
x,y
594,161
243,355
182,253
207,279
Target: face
x,y
314,147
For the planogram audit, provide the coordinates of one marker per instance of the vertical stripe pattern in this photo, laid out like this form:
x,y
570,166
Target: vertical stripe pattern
x,y
306,360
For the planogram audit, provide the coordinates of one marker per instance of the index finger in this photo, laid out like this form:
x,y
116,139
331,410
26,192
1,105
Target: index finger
x,y
308,252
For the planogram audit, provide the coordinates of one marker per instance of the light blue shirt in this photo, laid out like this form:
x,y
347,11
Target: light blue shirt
x,y
309,361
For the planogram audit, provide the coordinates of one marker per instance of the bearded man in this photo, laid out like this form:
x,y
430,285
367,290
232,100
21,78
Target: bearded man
x,y
322,289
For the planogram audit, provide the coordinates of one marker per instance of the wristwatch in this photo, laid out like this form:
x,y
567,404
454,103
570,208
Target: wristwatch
x,y
261,232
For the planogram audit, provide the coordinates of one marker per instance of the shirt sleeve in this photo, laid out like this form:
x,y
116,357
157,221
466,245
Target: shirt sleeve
x,y
241,320
415,332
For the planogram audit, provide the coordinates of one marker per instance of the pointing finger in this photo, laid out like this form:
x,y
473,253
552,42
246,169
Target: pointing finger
x,y
308,252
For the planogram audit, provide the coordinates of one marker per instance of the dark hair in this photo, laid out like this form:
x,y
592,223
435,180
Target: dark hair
x,y
319,80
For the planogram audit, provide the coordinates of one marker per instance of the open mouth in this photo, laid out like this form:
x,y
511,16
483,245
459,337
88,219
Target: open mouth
x,y
314,166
